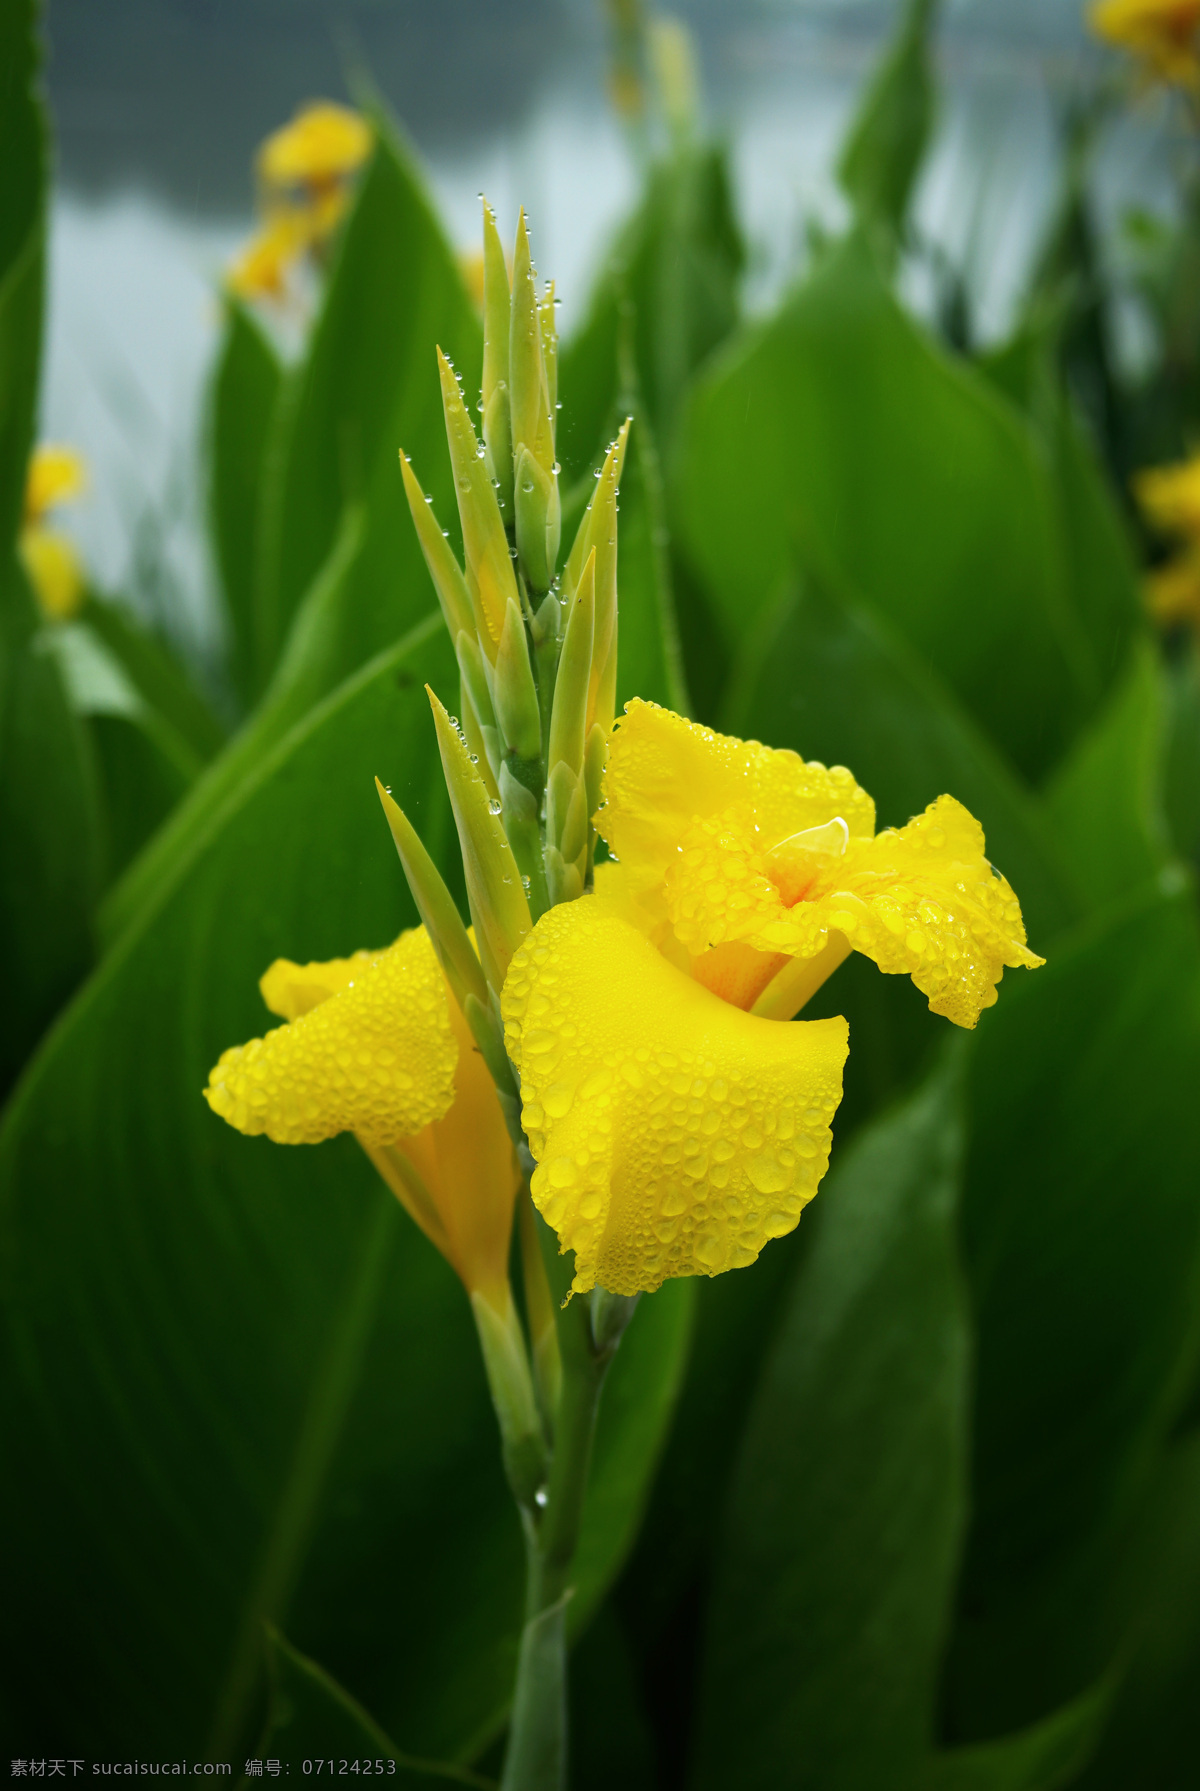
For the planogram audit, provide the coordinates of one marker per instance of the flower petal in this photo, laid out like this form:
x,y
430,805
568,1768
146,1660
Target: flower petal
x,y
466,1162
376,1056
664,773
674,1134
920,900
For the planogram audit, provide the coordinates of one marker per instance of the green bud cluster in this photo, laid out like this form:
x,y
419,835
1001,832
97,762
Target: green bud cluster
x,y
536,647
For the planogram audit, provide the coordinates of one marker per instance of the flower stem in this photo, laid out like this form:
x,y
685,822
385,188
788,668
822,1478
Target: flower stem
x,y
537,1745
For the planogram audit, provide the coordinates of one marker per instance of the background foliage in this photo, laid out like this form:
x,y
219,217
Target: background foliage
x,y
916,1500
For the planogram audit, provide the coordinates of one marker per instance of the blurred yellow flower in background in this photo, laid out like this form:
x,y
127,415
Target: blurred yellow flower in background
x,y
1169,497
1163,34
305,172
56,475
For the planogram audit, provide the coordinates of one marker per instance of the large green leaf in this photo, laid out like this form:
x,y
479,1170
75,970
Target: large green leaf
x,y
649,664
50,864
245,390
830,680
368,388
833,1585
1082,1227
1153,1739
1105,801
22,177
310,1716
666,297
317,657
839,422
239,1385
1040,1758
1181,751
883,152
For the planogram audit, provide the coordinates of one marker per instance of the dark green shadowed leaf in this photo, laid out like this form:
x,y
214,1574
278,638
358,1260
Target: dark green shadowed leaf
x,y
668,294
310,1716
649,663
1049,1754
245,390
1082,1230
832,1587
1181,751
1153,1738
50,860
368,388
830,678
840,422
883,152
1105,803
140,783
1099,561
239,1385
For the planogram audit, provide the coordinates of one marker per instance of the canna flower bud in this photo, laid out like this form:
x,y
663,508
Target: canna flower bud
x,y
497,417
490,577
598,533
533,374
499,910
435,905
444,570
514,691
567,811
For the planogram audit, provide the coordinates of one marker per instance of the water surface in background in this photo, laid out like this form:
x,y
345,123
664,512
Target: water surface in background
x,y
159,106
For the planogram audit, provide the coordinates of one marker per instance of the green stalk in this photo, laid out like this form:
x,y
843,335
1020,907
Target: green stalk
x,y
536,1759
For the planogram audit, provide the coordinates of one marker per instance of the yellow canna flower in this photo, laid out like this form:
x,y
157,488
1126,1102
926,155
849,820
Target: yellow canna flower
x,y
56,475
375,1045
262,269
1164,34
759,858
675,1132
1169,497
324,144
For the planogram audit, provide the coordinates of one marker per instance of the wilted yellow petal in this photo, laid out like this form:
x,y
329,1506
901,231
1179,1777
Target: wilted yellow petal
x,y
664,773
323,142
55,572
674,1134
375,1057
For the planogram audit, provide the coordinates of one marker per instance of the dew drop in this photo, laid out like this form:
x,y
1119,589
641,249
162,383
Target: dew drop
x,y
494,806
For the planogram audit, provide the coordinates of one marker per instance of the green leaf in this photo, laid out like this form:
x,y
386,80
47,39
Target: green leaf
x,y
1098,556
159,679
848,1498
1049,1754
368,388
649,664
51,861
245,391
1105,802
1153,1738
830,678
839,422
140,782
312,665
886,144
666,297
22,228
50,866
310,1716
1181,751
239,1386
1082,1232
